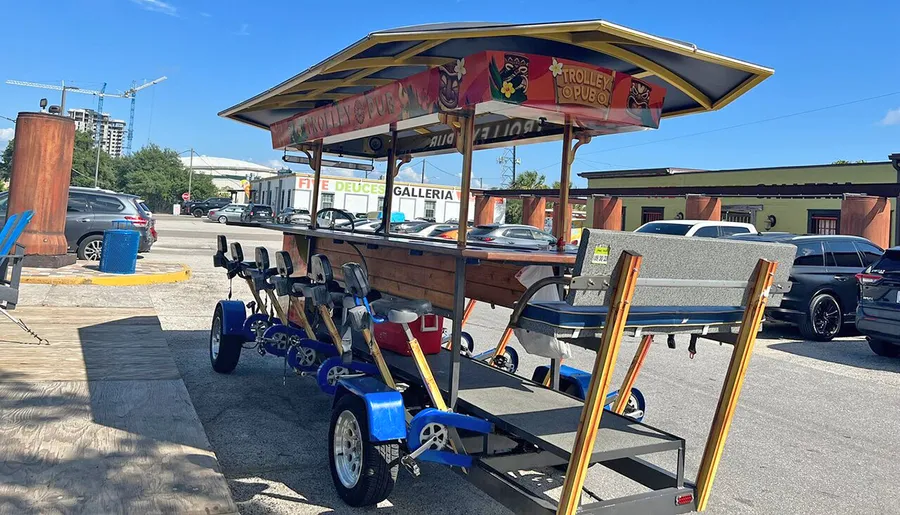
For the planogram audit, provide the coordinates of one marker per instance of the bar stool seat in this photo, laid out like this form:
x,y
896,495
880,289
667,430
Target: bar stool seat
x,y
401,311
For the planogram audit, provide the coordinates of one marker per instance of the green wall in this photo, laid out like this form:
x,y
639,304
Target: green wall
x,y
791,214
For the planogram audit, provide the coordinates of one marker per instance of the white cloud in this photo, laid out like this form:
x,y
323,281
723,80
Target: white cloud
x,y
892,117
243,30
277,164
157,6
7,134
410,174
205,15
338,172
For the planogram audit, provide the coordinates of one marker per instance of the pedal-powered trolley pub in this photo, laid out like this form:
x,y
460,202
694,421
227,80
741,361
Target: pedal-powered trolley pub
x,y
363,313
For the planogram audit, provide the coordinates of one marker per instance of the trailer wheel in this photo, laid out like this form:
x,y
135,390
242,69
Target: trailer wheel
x,y
363,472
224,349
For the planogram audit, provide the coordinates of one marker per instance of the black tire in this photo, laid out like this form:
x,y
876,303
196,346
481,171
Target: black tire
x,y
379,461
197,213
89,247
229,353
824,320
883,348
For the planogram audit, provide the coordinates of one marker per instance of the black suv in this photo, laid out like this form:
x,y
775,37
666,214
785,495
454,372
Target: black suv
x,y
878,313
201,208
824,290
256,213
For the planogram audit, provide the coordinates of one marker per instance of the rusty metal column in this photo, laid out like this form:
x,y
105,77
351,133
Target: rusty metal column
x,y
701,207
484,210
607,213
39,181
534,211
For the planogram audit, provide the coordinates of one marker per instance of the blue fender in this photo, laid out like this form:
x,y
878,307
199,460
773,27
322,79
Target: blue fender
x,y
641,403
233,315
354,367
449,419
567,376
248,324
385,412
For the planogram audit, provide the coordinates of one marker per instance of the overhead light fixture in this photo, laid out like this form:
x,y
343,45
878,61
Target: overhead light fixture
x,y
302,160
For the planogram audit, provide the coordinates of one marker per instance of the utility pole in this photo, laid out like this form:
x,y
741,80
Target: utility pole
x,y
62,101
423,171
508,162
191,176
100,129
514,165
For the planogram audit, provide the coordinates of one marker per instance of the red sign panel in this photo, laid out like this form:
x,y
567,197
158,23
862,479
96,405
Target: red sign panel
x,y
591,96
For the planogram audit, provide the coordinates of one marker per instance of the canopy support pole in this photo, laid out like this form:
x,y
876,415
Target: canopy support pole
x,y
465,142
562,219
315,162
757,297
392,169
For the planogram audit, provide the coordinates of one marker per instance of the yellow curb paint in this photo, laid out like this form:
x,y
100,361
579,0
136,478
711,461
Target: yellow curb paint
x,y
114,280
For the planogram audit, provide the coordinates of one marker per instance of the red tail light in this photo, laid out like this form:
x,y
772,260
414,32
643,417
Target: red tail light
x,y
487,238
869,279
154,233
137,221
681,500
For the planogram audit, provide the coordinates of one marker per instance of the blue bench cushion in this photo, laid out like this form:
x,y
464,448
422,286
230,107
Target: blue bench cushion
x,y
564,315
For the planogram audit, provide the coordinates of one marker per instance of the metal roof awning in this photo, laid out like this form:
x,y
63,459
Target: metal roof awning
x,y
694,80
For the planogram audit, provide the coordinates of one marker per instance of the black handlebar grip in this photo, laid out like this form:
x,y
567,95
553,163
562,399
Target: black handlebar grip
x,y
237,252
222,243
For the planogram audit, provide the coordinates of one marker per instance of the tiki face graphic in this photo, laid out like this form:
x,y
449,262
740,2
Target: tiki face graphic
x,y
515,71
638,98
449,87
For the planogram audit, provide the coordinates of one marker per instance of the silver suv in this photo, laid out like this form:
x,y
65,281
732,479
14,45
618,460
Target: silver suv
x,y
91,211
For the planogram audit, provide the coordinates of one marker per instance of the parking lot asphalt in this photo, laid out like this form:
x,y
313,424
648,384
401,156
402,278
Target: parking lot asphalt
x,y
815,430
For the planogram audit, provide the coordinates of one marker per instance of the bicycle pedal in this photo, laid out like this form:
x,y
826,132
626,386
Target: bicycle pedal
x,y
410,465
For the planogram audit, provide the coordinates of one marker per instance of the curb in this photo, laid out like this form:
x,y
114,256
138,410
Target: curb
x,y
114,280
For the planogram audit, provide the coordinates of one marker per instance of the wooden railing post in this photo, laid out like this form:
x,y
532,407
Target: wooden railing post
x,y
631,375
757,298
625,279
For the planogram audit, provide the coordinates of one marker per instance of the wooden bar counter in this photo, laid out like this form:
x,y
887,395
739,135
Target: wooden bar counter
x,y
419,268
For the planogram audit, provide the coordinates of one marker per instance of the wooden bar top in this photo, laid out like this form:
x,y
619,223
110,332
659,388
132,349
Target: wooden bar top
x,y
493,253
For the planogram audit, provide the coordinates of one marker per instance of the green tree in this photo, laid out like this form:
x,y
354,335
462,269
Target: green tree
x,y
84,162
157,175
6,161
845,162
528,180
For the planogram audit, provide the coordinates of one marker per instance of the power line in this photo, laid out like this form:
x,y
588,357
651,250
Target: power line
x,y
737,126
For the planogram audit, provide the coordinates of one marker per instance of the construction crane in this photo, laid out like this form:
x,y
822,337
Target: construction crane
x,y
132,94
129,93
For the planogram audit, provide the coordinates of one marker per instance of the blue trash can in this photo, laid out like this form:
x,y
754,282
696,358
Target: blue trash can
x,y
120,248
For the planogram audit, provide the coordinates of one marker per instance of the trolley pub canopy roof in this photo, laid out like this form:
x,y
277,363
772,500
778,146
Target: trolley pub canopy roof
x,y
523,83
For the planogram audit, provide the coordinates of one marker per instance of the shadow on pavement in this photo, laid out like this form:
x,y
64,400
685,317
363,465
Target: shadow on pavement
x,y
854,353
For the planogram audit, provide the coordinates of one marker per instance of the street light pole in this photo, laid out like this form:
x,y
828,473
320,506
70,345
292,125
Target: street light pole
x,y
191,176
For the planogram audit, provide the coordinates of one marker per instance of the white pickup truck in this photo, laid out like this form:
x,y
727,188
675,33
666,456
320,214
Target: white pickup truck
x,y
698,228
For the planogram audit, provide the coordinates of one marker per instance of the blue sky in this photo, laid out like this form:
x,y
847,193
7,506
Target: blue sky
x,y
219,52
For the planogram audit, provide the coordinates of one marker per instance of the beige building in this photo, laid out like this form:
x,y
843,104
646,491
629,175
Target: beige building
x,y
112,138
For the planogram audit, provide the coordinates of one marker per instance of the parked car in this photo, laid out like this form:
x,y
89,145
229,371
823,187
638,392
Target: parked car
x,y
410,226
229,213
91,211
698,228
257,213
294,216
511,234
432,230
201,208
878,311
824,291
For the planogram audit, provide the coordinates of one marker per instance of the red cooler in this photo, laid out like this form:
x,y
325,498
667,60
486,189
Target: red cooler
x,y
428,330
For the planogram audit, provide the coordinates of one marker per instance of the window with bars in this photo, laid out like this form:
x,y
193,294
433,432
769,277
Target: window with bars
x,y
652,214
430,206
738,216
824,221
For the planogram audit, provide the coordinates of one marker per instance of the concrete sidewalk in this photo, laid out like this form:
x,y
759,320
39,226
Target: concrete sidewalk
x,y
99,420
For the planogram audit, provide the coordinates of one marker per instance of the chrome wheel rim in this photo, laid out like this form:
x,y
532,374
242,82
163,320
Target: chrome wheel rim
x,y
222,219
215,338
93,250
347,449
335,373
435,430
306,357
826,317
259,328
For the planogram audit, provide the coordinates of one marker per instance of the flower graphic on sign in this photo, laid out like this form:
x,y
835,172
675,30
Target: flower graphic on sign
x,y
556,67
507,89
460,68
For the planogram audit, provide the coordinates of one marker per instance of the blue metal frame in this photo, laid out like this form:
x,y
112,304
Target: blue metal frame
x,y
449,419
386,414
